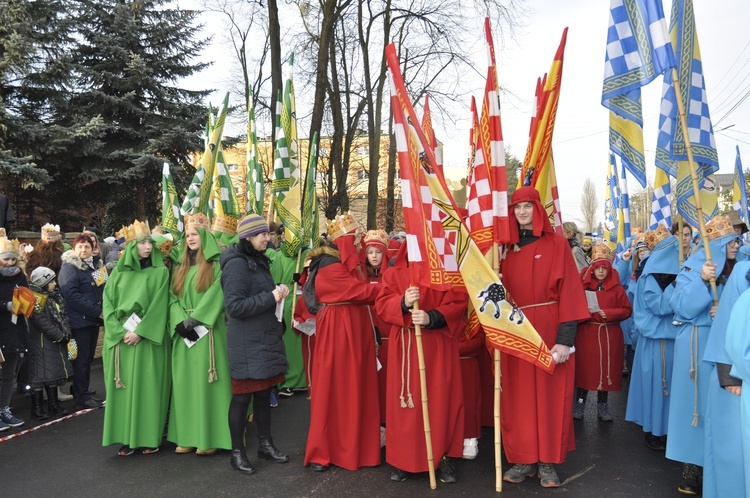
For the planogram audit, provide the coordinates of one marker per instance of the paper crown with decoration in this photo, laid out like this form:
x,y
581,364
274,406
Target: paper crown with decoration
x,y
196,221
8,248
51,233
224,224
164,241
342,225
719,226
376,238
137,230
600,252
655,236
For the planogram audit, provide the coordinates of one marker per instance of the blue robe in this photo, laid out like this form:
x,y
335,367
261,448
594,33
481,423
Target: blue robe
x,y
723,463
650,381
691,303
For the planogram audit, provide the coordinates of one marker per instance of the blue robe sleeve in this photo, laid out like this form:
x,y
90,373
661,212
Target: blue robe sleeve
x,y
738,337
692,298
735,286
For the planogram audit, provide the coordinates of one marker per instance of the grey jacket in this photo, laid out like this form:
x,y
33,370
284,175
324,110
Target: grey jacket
x,y
254,335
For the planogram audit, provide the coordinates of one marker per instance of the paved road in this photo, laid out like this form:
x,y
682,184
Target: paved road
x,y
67,459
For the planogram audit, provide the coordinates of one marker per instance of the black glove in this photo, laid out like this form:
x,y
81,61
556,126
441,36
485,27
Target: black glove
x,y
190,335
190,323
296,277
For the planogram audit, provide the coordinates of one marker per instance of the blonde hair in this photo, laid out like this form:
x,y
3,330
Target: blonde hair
x,y
571,227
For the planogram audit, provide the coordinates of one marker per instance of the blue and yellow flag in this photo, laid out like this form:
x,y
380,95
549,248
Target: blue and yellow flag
x,y
661,202
739,189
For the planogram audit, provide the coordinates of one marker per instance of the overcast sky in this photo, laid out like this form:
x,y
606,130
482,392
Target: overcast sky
x,y
580,142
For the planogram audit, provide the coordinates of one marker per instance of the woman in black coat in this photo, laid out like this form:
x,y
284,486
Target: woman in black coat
x,y
14,335
81,280
257,358
49,366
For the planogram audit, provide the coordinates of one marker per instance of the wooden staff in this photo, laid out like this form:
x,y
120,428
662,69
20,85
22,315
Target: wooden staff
x,y
296,284
498,453
425,409
681,253
498,389
694,178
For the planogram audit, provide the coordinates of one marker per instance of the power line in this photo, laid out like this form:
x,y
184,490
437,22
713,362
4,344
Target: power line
x,y
731,66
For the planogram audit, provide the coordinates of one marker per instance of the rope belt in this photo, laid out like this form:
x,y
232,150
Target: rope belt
x,y
694,371
213,376
407,402
664,367
118,381
536,305
604,325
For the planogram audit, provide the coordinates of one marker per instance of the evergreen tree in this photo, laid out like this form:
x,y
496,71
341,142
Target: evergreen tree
x,y
130,57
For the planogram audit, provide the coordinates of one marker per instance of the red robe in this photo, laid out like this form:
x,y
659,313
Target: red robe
x,y
599,342
344,412
536,407
405,440
470,350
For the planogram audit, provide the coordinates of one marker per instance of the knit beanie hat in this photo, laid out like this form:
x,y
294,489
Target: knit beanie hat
x,y
251,225
41,276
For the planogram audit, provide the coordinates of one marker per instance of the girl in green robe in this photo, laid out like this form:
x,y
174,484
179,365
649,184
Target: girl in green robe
x,y
136,362
201,385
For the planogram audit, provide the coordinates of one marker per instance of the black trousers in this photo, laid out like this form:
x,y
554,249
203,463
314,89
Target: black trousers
x,y
86,338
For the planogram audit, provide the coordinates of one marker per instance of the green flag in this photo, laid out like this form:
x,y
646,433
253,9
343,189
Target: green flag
x,y
171,218
255,187
310,222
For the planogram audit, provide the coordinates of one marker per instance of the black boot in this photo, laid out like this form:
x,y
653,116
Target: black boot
x,y
53,403
240,463
690,484
37,406
267,450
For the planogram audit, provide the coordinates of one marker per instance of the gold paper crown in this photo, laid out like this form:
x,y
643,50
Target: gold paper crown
x,y
223,224
600,251
7,246
653,237
342,225
164,241
51,233
197,221
376,237
137,230
2,232
719,226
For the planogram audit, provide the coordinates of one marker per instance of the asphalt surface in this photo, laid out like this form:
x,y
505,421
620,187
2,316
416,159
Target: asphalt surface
x,y
67,459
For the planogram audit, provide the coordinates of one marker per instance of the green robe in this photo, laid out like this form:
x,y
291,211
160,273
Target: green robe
x,y
200,406
282,271
136,410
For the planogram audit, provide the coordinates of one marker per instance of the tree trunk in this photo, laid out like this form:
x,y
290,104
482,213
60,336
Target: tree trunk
x,y
274,34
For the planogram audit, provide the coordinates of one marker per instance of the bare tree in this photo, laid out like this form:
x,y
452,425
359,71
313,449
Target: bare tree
x,y
589,204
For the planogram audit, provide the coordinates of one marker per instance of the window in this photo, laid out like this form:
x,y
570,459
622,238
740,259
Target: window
x,y
363,150
321,177
233,168
324,152
362,174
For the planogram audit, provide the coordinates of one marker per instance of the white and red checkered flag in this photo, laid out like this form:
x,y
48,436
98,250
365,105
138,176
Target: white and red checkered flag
x,y
441,252
487,197
473,133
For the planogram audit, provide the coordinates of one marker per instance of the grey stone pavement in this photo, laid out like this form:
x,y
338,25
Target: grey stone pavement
x,y
66,459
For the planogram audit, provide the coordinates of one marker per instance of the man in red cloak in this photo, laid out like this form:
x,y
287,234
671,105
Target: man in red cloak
x,y
440,315
541,276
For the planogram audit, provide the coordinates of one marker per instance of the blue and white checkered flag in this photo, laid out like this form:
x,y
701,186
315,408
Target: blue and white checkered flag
x,y
661,207
671,142
638,48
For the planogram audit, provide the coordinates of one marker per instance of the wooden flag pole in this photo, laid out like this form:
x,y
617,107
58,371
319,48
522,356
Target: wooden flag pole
x,y
296,284
425,409
498,451
498,389
694,178
681,253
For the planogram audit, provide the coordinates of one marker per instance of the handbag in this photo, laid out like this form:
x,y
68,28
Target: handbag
x,y
72,349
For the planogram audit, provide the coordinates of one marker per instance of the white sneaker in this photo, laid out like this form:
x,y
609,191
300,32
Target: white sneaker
x,y
382,437
471,448
62,396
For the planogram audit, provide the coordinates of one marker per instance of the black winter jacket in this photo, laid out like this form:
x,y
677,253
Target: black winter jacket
x,y
48,361
83,298
254,335
14,337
